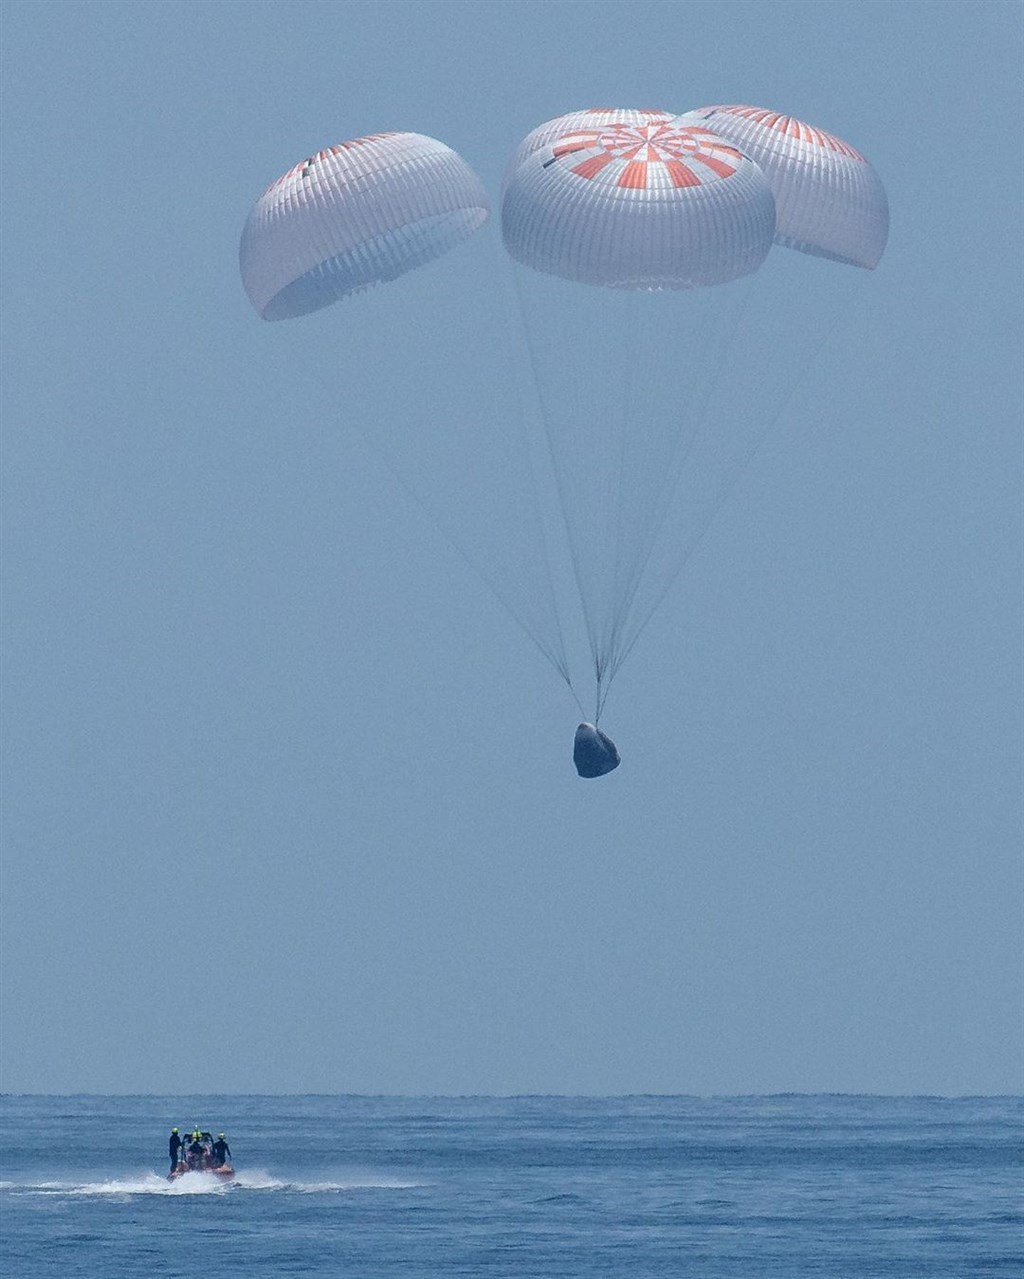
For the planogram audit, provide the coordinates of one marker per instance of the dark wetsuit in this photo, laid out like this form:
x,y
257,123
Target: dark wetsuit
x,y
221,1153
173,1147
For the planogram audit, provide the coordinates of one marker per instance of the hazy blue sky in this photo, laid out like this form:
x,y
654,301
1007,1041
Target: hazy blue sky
x,y
288,800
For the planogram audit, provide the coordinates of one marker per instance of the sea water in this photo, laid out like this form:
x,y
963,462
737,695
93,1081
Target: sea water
x,y
787,1186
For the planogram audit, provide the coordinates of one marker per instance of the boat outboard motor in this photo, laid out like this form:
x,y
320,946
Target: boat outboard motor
x,y
593,752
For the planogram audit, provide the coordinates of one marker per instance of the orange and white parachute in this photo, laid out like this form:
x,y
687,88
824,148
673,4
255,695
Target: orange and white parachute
x,y
356,214
829,201
637,205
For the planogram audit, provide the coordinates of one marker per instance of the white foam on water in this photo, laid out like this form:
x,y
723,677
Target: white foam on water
x,y
258,1179
204,1183
149,1183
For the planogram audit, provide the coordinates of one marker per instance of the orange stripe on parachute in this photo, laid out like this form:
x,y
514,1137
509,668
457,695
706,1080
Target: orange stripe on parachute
x,y
592,166
634,175
575,142
716,166
681,175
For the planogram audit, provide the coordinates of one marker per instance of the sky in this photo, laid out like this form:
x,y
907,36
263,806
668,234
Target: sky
x,y
288,798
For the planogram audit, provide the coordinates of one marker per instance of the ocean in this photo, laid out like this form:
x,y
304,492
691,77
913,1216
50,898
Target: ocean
x,y
554,1187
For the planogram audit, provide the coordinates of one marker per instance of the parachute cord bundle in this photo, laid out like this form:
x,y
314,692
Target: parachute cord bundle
x,y
617,463
686,442
685,437
557,471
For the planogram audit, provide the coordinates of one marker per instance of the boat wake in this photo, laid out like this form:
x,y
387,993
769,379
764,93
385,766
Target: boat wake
x,y
201,1183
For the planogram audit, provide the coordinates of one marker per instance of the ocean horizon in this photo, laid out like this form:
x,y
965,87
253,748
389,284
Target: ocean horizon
x,y
784,1184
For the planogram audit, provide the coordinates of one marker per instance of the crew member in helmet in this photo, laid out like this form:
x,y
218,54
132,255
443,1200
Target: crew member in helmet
x,y
221,1151
195,1149
174,1146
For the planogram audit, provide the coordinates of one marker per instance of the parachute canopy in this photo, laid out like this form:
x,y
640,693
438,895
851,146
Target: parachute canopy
x,y
829,200
644,206
360,213
593,752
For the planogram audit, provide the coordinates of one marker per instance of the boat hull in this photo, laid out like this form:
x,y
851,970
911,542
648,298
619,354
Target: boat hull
x,y
225,1172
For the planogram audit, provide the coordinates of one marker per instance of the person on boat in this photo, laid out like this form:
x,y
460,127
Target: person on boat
x,y
174,1146
195,1150
221,1151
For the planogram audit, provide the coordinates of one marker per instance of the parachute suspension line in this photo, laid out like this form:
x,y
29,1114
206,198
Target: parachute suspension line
x,y
682,447
563,660
556,469
814,350
647,448
582,440
628,434
557,660
602,696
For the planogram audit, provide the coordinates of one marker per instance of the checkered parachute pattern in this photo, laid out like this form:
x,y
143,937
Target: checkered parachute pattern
x,y
591,118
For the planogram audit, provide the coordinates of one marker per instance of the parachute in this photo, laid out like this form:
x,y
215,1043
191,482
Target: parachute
x,y
651,361
357,214
645,210
649,207
829,201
